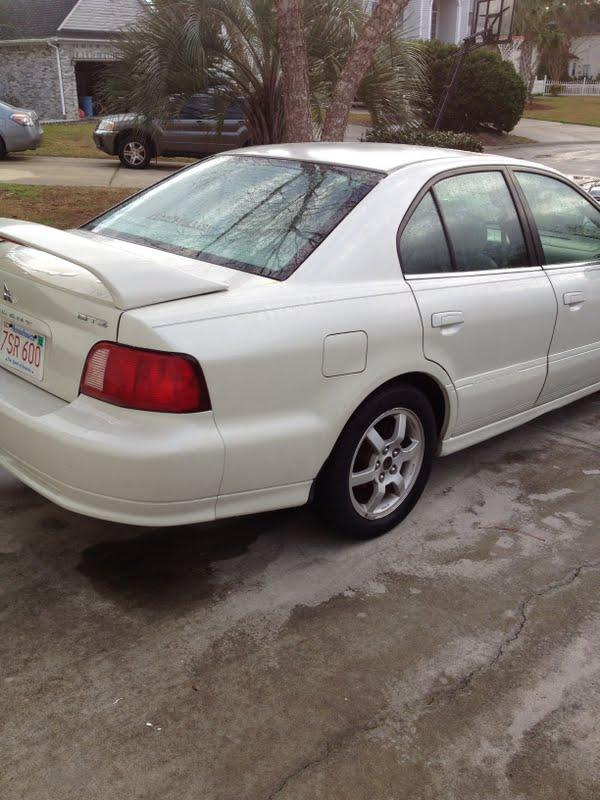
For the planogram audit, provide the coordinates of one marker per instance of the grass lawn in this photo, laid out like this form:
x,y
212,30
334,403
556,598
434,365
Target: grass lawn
x,y
70,140
74,140
359,117
580,110
62,207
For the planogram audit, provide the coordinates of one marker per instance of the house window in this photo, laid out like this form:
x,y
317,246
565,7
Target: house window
x,y
434,19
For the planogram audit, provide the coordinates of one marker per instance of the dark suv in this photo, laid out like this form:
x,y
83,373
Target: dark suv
x,y
196,131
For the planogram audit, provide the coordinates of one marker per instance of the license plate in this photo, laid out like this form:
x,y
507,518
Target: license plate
x,y
22,349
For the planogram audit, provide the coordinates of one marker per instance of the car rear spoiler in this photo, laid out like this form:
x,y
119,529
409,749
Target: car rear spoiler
x,y
134,279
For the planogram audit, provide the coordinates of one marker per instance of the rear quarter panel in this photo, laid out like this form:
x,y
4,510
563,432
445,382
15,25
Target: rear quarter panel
x,y
278,415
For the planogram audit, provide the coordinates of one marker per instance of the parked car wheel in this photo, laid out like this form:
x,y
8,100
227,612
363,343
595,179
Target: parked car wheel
x,y
135,152
380,464
2,149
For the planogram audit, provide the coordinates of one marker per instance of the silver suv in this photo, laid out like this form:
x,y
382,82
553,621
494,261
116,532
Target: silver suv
x,y
196,131
20,129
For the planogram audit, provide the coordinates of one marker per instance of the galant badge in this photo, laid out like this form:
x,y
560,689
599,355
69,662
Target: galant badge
x,y
7,295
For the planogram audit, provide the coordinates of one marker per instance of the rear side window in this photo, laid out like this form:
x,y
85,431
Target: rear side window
x,y
423,247
261,215
568,224
482,221
202,106
197,107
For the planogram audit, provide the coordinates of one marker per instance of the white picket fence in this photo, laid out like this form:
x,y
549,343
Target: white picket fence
x,y
567,88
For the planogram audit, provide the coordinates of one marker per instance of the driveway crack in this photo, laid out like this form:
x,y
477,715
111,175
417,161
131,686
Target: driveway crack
x,y
522,614
333,745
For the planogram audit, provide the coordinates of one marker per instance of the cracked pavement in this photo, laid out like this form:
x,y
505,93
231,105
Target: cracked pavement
x,y
262,658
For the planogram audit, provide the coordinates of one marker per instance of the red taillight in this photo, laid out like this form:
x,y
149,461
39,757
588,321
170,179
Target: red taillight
x,y
149,380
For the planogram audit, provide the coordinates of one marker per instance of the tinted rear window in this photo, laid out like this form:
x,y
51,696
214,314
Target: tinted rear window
x,y
249,213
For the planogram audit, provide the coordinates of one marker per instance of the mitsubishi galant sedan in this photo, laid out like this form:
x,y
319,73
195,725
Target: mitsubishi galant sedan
x,y
293,322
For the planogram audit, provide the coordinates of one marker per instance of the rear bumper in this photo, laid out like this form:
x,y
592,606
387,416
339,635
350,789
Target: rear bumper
x,y
127,466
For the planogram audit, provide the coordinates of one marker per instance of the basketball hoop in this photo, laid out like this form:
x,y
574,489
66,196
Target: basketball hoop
x,y
492,24
493,21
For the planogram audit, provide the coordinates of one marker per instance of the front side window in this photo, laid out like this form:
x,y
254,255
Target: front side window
x,y
423,247
568,224
481,221
260,215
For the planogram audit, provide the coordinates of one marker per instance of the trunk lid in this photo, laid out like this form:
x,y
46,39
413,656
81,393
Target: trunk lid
x,y
62,291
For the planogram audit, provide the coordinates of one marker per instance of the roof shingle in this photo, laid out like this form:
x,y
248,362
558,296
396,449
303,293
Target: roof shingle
x,y
39,19
32,19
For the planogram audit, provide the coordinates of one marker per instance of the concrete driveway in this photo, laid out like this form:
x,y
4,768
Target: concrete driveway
x,y
105,172
259,659
556,132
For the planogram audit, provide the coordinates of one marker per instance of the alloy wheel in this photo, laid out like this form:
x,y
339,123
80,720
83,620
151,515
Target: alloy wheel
x,y
386,463
134,153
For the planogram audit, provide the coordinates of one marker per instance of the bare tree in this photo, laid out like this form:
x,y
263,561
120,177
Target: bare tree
x,y
291,39
381,22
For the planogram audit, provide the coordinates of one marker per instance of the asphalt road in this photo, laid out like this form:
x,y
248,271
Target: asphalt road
x,y
457,658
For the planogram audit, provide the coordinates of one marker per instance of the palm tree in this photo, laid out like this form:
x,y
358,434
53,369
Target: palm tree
x,y
230,47
177,49
291,41
360,56
394,88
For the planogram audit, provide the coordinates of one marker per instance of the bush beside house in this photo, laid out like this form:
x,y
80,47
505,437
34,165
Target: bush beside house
x,y
488,93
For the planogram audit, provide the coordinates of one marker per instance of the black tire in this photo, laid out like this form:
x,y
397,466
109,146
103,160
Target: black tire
x,y
2,149
135,152
338,502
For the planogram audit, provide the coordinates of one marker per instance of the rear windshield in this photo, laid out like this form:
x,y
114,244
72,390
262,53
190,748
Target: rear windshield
x,y
255,214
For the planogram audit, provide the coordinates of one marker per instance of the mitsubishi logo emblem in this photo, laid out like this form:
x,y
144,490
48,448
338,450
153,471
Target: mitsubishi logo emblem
x,y
7,295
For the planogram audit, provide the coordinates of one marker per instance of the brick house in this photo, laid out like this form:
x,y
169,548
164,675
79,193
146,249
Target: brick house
x,y
52,51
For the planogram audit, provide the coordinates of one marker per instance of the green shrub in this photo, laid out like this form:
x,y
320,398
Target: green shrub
x,y
422,136
488,91
554,89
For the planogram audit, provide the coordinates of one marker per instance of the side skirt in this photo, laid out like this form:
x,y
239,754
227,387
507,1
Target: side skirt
x,y
456,443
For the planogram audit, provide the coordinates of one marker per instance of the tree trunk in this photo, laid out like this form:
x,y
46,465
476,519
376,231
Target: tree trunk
x,y
372,35
527,68
291,39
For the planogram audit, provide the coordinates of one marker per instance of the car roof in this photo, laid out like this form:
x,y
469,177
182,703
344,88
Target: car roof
x,y
373,156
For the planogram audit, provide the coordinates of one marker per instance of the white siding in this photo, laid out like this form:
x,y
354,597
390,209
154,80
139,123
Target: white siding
x,y
587,61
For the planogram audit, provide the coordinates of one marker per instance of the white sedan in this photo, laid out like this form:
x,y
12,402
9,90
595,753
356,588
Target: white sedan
x,y
289,322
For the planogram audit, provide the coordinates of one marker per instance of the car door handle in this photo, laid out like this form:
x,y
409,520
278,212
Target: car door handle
x,y
573,298
443,319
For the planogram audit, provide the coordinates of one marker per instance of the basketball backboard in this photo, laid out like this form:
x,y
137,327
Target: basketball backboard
x,y
493,21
